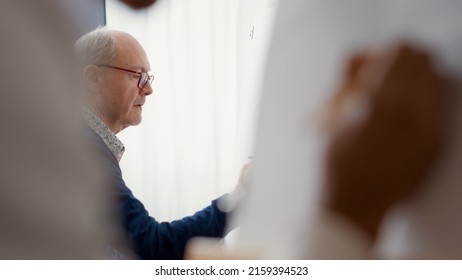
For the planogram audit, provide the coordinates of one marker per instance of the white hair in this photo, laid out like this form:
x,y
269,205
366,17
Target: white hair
x,y
96,47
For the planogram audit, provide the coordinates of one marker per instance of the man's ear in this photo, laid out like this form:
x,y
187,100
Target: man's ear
x,y
91,78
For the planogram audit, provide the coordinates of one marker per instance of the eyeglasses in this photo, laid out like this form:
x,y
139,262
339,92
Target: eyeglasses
x,y
144,77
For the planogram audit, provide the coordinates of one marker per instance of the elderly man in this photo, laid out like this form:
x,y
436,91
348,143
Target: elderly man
x,y
115,74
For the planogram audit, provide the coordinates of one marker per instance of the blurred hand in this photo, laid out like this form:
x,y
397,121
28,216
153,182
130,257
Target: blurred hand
x,y
232,200
386,125
244,178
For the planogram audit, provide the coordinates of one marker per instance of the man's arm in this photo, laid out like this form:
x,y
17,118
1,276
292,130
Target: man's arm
x,y
164,240
149,238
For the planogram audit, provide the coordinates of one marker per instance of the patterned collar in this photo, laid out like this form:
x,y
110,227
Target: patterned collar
x,y
109,138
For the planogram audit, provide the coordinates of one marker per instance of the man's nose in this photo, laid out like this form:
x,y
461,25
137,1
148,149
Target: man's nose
x,y
147,89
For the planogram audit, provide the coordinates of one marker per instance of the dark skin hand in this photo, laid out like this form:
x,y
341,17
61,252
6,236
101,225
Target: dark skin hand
x,y
381,156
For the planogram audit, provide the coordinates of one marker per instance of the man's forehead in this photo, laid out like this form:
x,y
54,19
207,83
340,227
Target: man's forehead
x,y
130,53
133,62
141,68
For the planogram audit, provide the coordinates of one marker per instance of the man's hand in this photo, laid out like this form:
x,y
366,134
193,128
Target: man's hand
x,y
244,178
386,124
232,200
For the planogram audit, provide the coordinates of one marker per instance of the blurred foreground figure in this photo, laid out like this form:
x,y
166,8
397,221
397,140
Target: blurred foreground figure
x,y
50,202
387,129
388,187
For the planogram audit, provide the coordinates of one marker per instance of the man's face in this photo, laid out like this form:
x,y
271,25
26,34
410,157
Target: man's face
x,y
120,100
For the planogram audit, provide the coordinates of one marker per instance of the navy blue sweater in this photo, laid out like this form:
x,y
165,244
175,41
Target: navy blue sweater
x,y
149,238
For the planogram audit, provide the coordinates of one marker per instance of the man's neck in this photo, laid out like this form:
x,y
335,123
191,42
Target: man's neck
x,y
104,132
113,127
